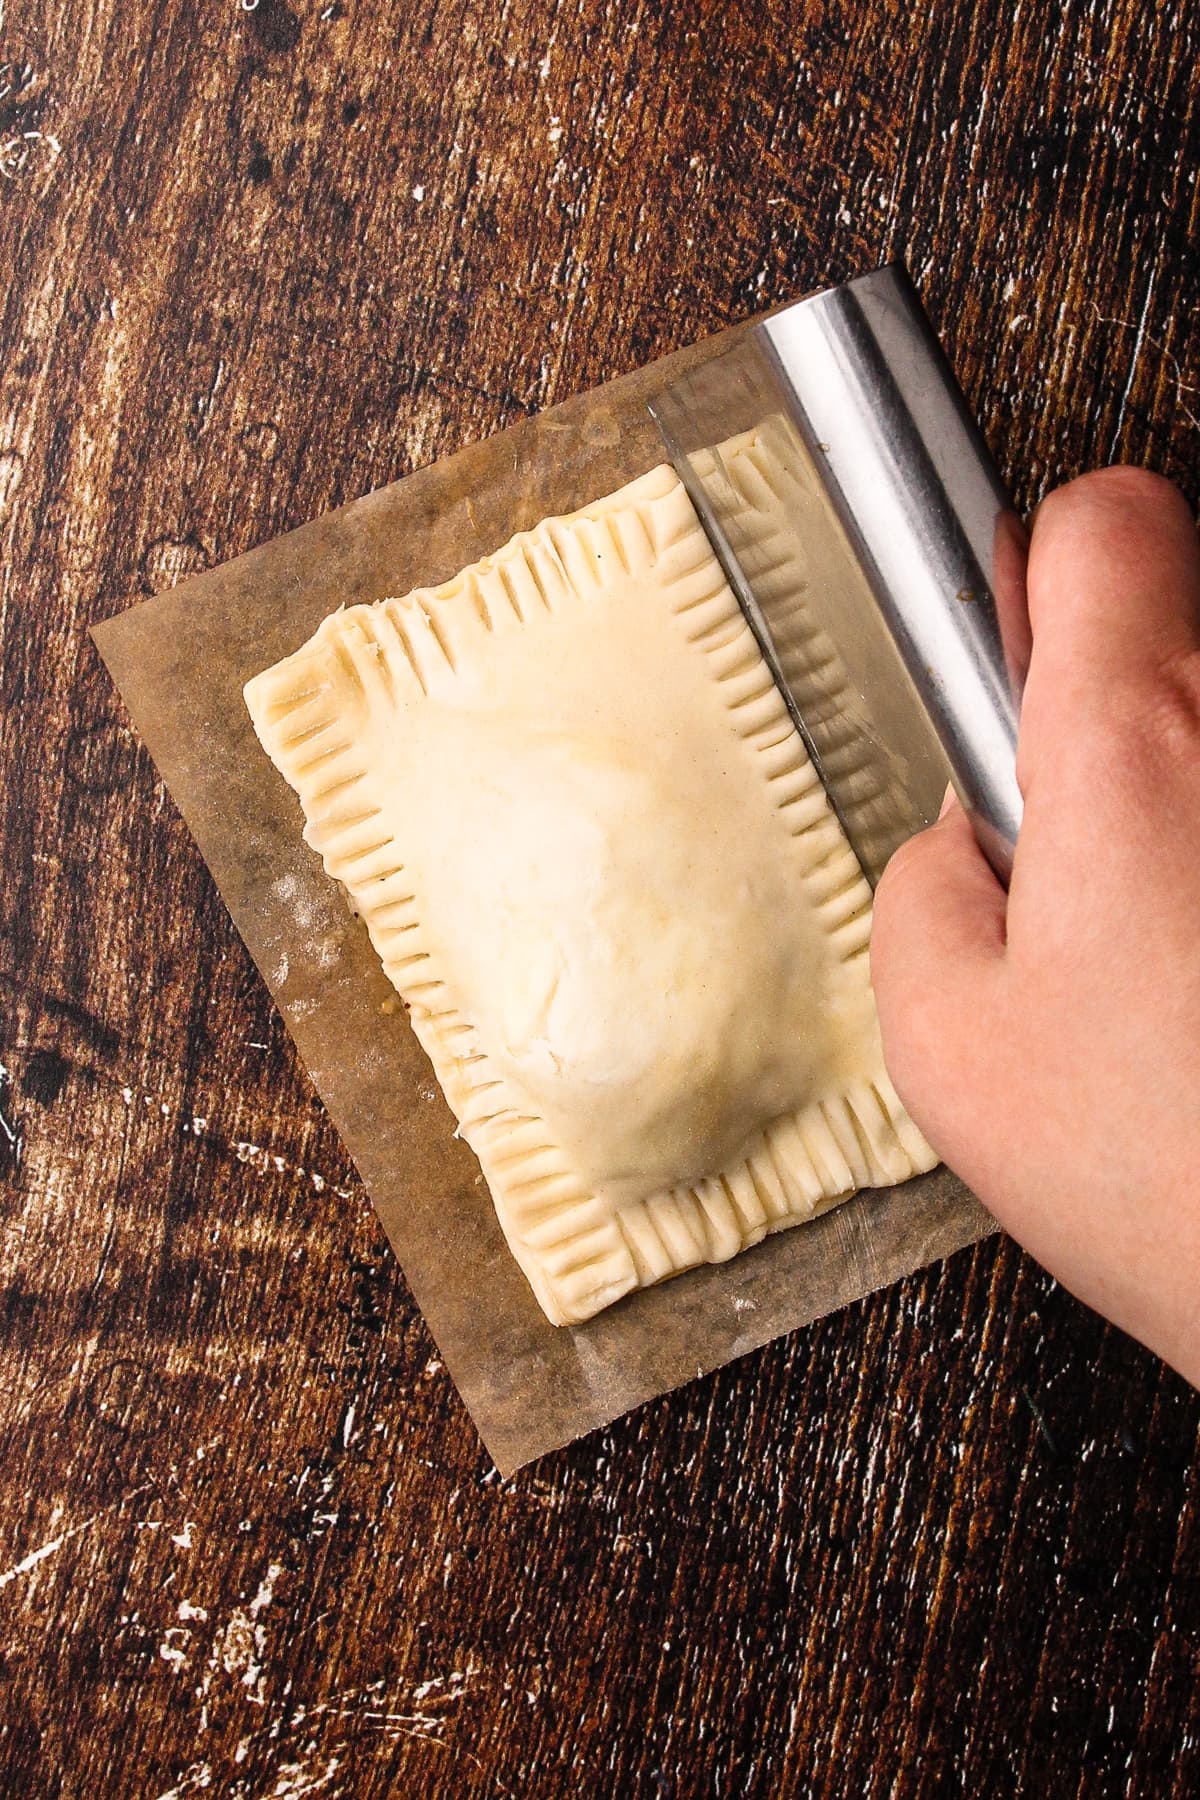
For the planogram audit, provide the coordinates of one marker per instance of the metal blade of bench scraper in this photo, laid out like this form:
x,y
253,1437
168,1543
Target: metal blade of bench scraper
x,y
866,533
769,520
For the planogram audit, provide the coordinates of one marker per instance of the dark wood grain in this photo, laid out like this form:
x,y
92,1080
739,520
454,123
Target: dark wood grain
x,y
257,262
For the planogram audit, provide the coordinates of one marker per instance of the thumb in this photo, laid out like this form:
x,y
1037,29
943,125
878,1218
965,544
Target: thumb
x,y
937,944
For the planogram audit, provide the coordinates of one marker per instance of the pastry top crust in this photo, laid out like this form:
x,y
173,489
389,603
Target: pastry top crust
x,y
596,862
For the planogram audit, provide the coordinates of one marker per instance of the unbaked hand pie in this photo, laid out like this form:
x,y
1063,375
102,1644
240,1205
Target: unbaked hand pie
x,y
568,801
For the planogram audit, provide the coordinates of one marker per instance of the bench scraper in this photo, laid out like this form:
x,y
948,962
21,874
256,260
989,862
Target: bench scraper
x,y
869,539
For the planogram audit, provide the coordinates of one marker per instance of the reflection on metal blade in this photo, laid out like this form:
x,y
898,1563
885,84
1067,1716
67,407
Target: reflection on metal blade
x,y
804,593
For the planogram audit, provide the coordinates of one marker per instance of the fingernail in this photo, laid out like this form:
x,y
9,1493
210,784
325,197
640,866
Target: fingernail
x,y
950,800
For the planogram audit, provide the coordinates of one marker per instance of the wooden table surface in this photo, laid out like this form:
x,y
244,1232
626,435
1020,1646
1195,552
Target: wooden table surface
x,y
259,259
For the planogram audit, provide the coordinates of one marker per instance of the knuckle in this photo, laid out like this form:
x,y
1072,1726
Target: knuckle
x,y
1158,721
1171,720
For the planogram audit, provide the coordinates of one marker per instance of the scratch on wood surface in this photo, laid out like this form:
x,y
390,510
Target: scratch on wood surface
x,y
33,1558
12,1138
249,1155
52,1547
425,1716
1138,326
241,1648
27,152
294,1779
1134,360
194,1779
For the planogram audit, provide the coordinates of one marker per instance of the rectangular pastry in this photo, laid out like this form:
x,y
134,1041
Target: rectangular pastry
x,y
597,864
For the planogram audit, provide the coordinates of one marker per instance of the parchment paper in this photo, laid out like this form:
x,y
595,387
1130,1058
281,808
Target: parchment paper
x,y
179,661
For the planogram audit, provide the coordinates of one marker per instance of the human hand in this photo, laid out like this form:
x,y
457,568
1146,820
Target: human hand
x,y
1048,1041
